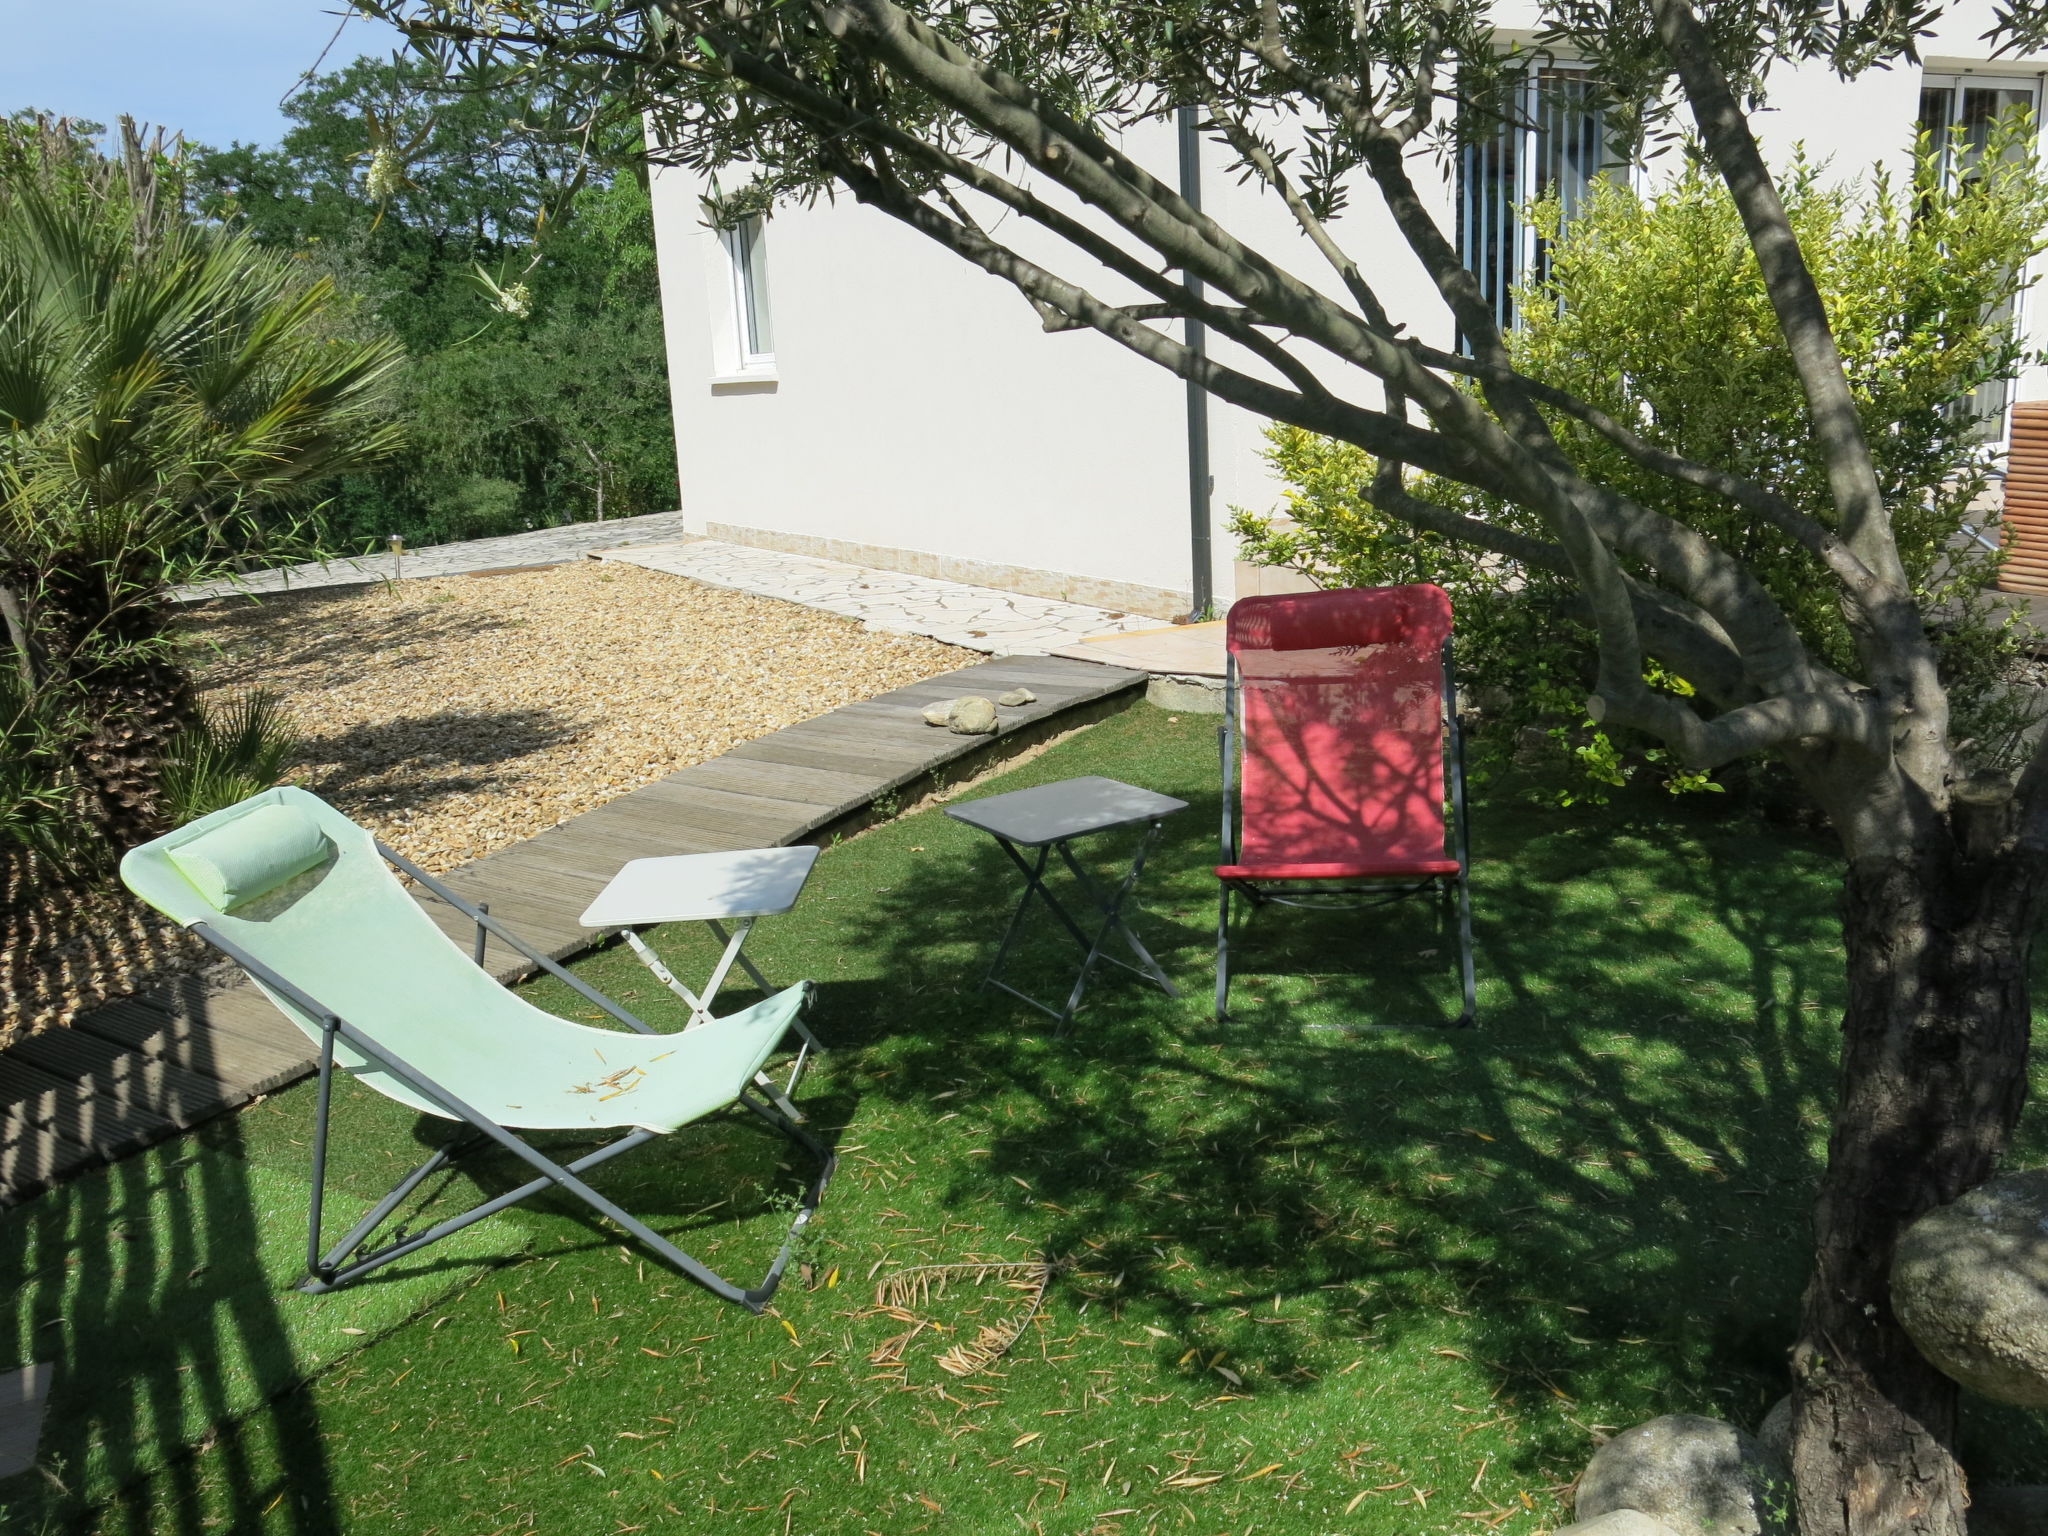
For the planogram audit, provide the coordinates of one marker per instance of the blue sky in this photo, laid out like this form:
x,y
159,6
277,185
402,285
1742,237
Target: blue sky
x,y
212,68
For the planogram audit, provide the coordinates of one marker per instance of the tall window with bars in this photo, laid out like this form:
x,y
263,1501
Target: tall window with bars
x,y
1959,114
1551,142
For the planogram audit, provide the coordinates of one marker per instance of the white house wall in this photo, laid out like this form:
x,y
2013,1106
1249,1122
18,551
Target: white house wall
x,y
916,405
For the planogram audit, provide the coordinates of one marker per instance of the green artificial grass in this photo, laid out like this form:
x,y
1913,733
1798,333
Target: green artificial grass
x,y
1312,1277
161,1286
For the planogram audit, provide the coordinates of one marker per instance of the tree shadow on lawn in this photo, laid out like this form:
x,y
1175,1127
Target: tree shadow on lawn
x,y
1605,1188
709,1187
158,1288
91,1268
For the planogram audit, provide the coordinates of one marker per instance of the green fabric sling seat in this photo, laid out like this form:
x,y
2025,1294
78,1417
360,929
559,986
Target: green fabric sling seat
x,y
305,901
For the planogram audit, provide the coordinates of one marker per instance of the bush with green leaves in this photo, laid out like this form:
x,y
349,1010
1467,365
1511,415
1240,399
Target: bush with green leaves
x,y
507,240
168,393
1653,310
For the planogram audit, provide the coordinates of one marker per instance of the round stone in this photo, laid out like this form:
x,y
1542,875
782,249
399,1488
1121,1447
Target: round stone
x,y
1970,1286
971,716
1699,1476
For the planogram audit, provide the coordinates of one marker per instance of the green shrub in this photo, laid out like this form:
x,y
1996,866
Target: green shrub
x,y
1654,311
234,749
168,395
39,800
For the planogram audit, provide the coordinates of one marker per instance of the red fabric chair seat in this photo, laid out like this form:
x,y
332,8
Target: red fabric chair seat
x,y
1340,702
1369,869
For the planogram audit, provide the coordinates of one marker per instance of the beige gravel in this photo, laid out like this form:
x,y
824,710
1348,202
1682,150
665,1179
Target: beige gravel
x,y
455,716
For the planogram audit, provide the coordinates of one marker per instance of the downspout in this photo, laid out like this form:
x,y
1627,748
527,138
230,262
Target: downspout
x,y
1201,585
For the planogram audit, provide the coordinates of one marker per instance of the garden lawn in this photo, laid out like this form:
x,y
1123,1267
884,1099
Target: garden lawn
x,y
1313,1277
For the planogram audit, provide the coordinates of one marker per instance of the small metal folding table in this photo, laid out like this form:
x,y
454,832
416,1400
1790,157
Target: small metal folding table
x,y
1049,818
713,889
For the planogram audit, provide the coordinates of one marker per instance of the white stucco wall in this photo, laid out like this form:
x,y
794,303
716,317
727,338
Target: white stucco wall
x,y
916,404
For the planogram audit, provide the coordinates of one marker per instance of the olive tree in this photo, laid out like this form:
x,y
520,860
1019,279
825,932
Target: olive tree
x,y
971,122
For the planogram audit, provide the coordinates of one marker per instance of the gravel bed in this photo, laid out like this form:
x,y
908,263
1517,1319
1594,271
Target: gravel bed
x,y
457,715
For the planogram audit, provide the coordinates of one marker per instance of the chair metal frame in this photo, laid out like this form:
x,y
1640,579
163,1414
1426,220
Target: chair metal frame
x,y
1452,889
346,1261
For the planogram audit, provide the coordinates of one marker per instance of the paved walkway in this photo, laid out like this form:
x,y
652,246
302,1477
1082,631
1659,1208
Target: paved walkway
x,y
136,1071
1172,650
979,618
543,546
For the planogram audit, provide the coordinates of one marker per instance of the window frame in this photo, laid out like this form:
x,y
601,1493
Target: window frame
x,y
748,292
1525,140
1994,419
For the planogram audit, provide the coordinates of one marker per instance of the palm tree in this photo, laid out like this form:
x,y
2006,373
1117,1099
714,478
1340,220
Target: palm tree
x,y
166,390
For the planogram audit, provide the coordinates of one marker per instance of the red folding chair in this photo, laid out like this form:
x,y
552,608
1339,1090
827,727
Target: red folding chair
x,y
1338,705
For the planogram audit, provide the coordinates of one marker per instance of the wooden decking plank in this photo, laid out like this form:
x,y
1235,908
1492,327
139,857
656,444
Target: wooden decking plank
x,y
589,860
990,681
882,773
900,739
717,810
806,794
244,1063
595,853
128,1077
824,787
536,916
37,1099
638,830
1064,669
250,1032
32,1157
476,882
542,927
700,815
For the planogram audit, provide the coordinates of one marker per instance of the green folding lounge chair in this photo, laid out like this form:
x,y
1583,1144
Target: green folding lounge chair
x,y
302,899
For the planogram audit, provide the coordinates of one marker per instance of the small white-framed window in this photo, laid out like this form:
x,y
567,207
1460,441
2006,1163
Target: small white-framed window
x,y
1553,143
753,326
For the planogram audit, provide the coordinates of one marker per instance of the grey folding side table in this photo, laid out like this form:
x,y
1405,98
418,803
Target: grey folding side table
x,y
1048,819
713,889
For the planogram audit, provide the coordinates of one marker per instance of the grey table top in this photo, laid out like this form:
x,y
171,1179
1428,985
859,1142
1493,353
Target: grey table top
x,y
755,882
1052,813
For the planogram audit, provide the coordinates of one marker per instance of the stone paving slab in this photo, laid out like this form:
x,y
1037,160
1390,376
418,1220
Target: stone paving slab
x,y
1176,650
542,546
977,618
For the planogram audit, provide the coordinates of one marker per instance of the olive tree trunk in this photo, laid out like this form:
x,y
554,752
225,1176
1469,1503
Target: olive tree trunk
x,y
1933,1076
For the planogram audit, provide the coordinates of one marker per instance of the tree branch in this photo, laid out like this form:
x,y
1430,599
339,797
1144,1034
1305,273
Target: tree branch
x,y
1811,534
1323,412
1260,159
1897,653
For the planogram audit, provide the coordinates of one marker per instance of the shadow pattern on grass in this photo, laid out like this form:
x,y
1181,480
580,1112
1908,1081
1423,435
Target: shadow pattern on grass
x,y
1607,1184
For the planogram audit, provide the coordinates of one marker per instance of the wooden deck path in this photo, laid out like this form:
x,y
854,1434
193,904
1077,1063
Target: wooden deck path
x,y
136,1071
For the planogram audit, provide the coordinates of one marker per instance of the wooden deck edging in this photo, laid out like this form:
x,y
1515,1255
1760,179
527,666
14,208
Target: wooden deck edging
x,y
136,1071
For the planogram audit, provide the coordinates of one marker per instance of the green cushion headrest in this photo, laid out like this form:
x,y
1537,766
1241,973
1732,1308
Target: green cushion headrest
x,y
251,855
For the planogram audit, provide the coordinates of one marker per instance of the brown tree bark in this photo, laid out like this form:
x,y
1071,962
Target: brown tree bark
x,y
1933,1077
105,639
